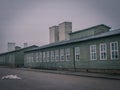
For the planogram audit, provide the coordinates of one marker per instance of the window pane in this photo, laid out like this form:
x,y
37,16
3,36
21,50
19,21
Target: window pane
x,y
67,53
52,56
56,55
48,56
114,50
103,51
77,53
62,55
93,54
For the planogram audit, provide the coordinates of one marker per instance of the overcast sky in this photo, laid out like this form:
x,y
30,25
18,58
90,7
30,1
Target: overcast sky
x,y
29,20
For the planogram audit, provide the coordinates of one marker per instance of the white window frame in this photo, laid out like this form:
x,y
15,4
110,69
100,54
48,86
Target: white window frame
x,y
62,56
56,55
93,52
67,54
32,57
44,56
37,57
52,56
40,56
27,58
103,51
48,56
77,53
115,51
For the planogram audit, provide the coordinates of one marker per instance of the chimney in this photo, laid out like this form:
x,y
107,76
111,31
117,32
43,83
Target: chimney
x,y
25,45
64,29
11,46
54,34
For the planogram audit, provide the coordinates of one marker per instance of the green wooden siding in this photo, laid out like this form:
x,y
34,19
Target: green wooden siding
x,y
84,62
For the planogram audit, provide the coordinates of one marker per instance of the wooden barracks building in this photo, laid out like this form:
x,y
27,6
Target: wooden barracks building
x,y
95,49
14,58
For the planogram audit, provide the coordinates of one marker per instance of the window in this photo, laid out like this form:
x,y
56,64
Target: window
x,y
114,50
29,57
36,57
77,53
56,55
93,54
67,54
61,54
40,56
26,58
48,56
103,51
44,57
2,59
11,58
32,57
52,56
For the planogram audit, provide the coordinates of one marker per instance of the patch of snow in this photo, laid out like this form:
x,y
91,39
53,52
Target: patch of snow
x,y
11,77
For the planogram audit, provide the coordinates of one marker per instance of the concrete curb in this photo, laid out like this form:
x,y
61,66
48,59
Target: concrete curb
x,y
83,74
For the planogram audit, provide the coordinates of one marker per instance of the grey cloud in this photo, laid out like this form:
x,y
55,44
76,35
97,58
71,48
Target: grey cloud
x,y
28,20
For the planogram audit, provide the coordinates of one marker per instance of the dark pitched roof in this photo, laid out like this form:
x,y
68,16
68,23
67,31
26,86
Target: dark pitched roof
x,y
110,33
19,49
90,28
106,34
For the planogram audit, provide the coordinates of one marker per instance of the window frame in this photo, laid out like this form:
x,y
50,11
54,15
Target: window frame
x,y
103,50
40,56
44,56
77,53
57,55
52,56
48,56
62,56
37,56
114,51
93,55
67,54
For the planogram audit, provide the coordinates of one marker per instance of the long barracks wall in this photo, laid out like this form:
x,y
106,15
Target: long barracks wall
x,y
95,55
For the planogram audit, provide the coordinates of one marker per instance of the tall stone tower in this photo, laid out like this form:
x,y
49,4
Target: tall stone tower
x,y
54,34
11,46
64,29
